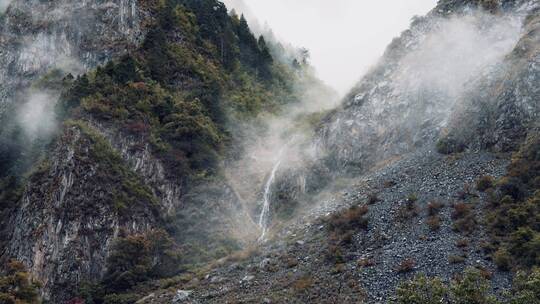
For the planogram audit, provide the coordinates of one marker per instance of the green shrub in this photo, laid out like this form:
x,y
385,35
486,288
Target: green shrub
x,y
138,258
471,288
121,298
524,244
17,287
502,259
511,186
449,146
513,221
456,259
412,198
526,288
484,183
421,290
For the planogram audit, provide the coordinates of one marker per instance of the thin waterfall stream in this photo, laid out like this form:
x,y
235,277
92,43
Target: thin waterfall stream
x,y
264,217
265,212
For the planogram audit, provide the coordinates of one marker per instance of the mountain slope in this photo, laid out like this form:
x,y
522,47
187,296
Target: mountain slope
x,y
127,185
140,179
433,72
418,178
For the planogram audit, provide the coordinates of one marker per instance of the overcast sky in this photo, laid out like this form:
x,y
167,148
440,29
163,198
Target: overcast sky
x,y
345,37
3,5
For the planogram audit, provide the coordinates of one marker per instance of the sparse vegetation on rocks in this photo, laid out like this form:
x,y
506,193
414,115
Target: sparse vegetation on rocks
x,y
409,209
407,265
17,286
512,216
303,283
434,222
348,221
373,198
366,262
434,207
456,259
464,218
470,288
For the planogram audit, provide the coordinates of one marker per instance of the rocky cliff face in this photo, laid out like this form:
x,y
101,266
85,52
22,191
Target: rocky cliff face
x,y
36,36
99,181
97,184
72,210
500,109
458,59
137,153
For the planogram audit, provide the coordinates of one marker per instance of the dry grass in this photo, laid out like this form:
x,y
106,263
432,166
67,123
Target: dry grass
x,y
407,211
485,273
406,265
389,184
434,223
245,254
464,219
467,192
303,283
349,219
462,243
291,262
366,262
434,208
461,210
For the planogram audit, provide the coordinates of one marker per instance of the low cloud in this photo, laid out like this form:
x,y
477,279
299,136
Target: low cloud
x,y
36,116
4,5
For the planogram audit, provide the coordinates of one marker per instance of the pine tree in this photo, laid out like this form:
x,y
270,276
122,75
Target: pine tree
x,y
266,57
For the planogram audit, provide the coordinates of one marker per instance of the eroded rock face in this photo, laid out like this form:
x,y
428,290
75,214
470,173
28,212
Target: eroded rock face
x,y
208,208
68,218
502,109
36,36
67,221
137,153
458,59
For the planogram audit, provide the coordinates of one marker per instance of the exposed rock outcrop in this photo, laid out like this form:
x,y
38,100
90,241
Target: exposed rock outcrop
x,y
455,60
72,210
500,110
36,36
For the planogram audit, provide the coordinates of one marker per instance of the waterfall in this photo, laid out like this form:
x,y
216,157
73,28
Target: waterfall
x,y
264,217
265,212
